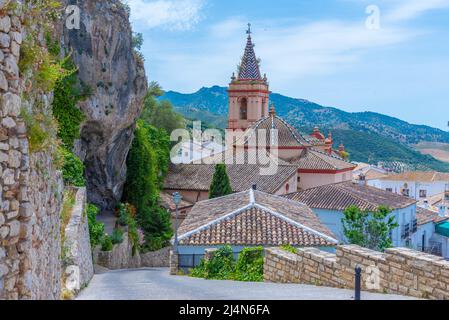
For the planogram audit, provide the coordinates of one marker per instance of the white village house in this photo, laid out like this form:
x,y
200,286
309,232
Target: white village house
x,y
247,219
418,185
419,229
330,201
435,225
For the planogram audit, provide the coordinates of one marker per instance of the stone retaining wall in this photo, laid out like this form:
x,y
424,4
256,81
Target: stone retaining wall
x,y
31,186
156,259
397,271
121,257
78,264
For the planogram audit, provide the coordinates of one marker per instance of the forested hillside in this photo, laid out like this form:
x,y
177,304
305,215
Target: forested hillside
x,y
368,136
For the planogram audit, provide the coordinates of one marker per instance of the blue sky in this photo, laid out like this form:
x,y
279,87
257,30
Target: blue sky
x,y
318,50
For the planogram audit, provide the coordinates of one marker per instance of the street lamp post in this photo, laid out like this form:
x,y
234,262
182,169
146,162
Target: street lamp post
x,y
177,200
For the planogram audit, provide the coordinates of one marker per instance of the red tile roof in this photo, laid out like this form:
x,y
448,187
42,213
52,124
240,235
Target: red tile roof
x,y
312,159
421,176
343,195
425,216
242,177
253,218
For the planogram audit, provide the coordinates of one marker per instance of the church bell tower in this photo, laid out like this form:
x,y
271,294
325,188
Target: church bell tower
x,y
248,92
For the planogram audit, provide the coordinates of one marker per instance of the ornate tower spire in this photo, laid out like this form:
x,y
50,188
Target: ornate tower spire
x,y
249,93
249,67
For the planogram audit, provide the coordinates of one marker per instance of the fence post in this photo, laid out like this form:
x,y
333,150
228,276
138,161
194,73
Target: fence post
x,y
358,283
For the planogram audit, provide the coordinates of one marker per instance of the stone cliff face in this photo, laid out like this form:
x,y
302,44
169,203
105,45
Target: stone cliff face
x,y
102,50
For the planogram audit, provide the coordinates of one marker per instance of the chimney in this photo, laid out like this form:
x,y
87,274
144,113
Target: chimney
x,y
362,180
426,204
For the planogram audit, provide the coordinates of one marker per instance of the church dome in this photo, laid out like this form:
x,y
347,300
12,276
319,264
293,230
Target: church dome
x,y
288,136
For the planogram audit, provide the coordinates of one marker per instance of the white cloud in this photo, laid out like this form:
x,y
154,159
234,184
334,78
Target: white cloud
x,y
169,14
288,52
410,9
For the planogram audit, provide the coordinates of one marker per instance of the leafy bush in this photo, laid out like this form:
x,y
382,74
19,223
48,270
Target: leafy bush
x,y
122,215
41,129
249,266
96,229
127,214
106,243
289,248
137,41
117,236
220,267
72,169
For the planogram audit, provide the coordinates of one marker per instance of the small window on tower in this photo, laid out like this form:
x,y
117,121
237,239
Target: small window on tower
x,y
244,109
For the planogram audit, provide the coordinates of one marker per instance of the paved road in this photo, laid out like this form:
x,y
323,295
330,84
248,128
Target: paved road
x,y
157,284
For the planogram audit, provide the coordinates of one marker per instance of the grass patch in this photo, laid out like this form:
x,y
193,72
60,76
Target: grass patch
x,y
66,211
289,248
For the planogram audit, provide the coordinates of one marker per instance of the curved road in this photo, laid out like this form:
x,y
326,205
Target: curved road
x,y
157,284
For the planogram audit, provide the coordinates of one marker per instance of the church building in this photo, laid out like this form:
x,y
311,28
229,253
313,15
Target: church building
x,y
304,161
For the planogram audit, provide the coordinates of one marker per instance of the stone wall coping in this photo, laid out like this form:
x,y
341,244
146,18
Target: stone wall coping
x,y
284,254
75,222
412,254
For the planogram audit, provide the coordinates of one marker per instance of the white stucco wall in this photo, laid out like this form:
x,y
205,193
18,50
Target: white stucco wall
x,y
312,180
432,188
333,220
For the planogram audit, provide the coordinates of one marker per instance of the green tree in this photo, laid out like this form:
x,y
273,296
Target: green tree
x,y
369,229
147,165
159,114
221,185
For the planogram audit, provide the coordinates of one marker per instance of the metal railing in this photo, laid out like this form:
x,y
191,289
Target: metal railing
x,y
414,226
434,248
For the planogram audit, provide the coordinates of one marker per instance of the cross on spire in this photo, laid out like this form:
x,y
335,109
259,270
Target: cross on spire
x,y
249,67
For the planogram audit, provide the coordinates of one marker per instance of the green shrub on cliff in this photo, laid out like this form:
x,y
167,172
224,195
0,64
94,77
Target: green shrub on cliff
x,y
67,93
72,169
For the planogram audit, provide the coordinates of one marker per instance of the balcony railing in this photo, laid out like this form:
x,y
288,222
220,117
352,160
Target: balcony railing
x,y
434,248
414,226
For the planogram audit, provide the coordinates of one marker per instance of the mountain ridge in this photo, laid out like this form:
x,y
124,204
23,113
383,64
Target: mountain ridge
x,y
210,104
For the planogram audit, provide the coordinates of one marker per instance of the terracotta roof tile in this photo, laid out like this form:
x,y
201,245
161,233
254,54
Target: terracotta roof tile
x,y
242,177
253,218
425,216
316,160
287,135
421,176
342,195
166,200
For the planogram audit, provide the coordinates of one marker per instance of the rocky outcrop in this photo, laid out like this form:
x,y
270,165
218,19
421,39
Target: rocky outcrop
x,y
102,50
